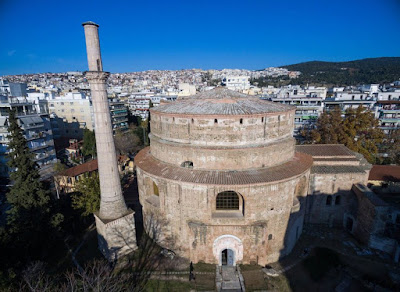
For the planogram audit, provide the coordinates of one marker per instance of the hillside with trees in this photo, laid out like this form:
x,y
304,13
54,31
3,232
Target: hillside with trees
x,y
365,71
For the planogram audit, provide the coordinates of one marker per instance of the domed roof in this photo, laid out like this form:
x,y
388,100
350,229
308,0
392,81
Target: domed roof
x,y
221,101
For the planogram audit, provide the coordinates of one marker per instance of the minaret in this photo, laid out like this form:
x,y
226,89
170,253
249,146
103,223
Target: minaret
x,y
112,204
114,218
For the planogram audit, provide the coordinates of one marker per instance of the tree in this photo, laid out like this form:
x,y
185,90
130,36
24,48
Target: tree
x,y
89,143
327,129
362,132
58,168
32,224
391,146
127,142
358,130
28,198
87,197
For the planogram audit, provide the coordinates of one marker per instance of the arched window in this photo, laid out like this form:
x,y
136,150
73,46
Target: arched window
x,y
215,121
241,121
270,237
187,164
337,200
328,200
228,200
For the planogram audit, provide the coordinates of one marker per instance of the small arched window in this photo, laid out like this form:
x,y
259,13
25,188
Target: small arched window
x,y
337,200
262,120
228,200
215,121
328,200
241,121
187,164
192,121
270,237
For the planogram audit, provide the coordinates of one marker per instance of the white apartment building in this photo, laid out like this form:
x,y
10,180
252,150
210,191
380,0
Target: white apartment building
x,y
350,99
237,83
299,91
71,113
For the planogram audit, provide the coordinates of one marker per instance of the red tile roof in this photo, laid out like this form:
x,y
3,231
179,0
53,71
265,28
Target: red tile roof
x,y
299,164
82,168
385,173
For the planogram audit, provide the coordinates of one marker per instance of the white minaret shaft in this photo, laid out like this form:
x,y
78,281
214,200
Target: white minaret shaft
x,y
112,204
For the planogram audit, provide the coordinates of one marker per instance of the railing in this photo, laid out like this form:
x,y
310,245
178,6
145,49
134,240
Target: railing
x,y
36,136
32,126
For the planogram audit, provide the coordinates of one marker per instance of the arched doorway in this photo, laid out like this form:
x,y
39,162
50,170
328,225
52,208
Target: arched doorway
x,y
228,250
227,257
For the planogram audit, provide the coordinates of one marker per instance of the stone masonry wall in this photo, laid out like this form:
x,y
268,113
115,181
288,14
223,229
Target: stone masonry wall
x,y
224,158
261,224
222,131
334,185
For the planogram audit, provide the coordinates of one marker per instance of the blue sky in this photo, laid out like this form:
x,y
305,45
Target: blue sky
x,y
47,36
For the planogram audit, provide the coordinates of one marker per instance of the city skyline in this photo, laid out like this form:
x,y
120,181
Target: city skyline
x,y
44,37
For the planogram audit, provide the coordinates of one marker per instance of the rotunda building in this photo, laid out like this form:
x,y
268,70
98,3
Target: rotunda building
x,y
223,174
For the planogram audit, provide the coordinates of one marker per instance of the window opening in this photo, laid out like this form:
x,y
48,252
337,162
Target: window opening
x,y
155,189
187,164
328,200
228,200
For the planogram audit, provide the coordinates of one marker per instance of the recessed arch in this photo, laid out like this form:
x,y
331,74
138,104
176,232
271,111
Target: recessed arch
x,y
152,192
230,242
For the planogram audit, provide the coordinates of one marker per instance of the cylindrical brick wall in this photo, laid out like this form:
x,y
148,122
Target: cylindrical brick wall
x,y
223,158
222,130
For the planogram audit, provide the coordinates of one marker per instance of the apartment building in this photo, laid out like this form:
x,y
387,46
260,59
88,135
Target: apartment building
x,y
71,113
309,102
37,131
119,115
237,83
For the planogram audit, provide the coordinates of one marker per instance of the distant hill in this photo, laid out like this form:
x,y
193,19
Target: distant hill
x,y
372,70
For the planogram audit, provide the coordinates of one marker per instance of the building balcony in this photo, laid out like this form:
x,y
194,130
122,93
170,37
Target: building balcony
x,y
46,155
390,111
388,128
43,145
389,120
309,107
115,114
35,136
